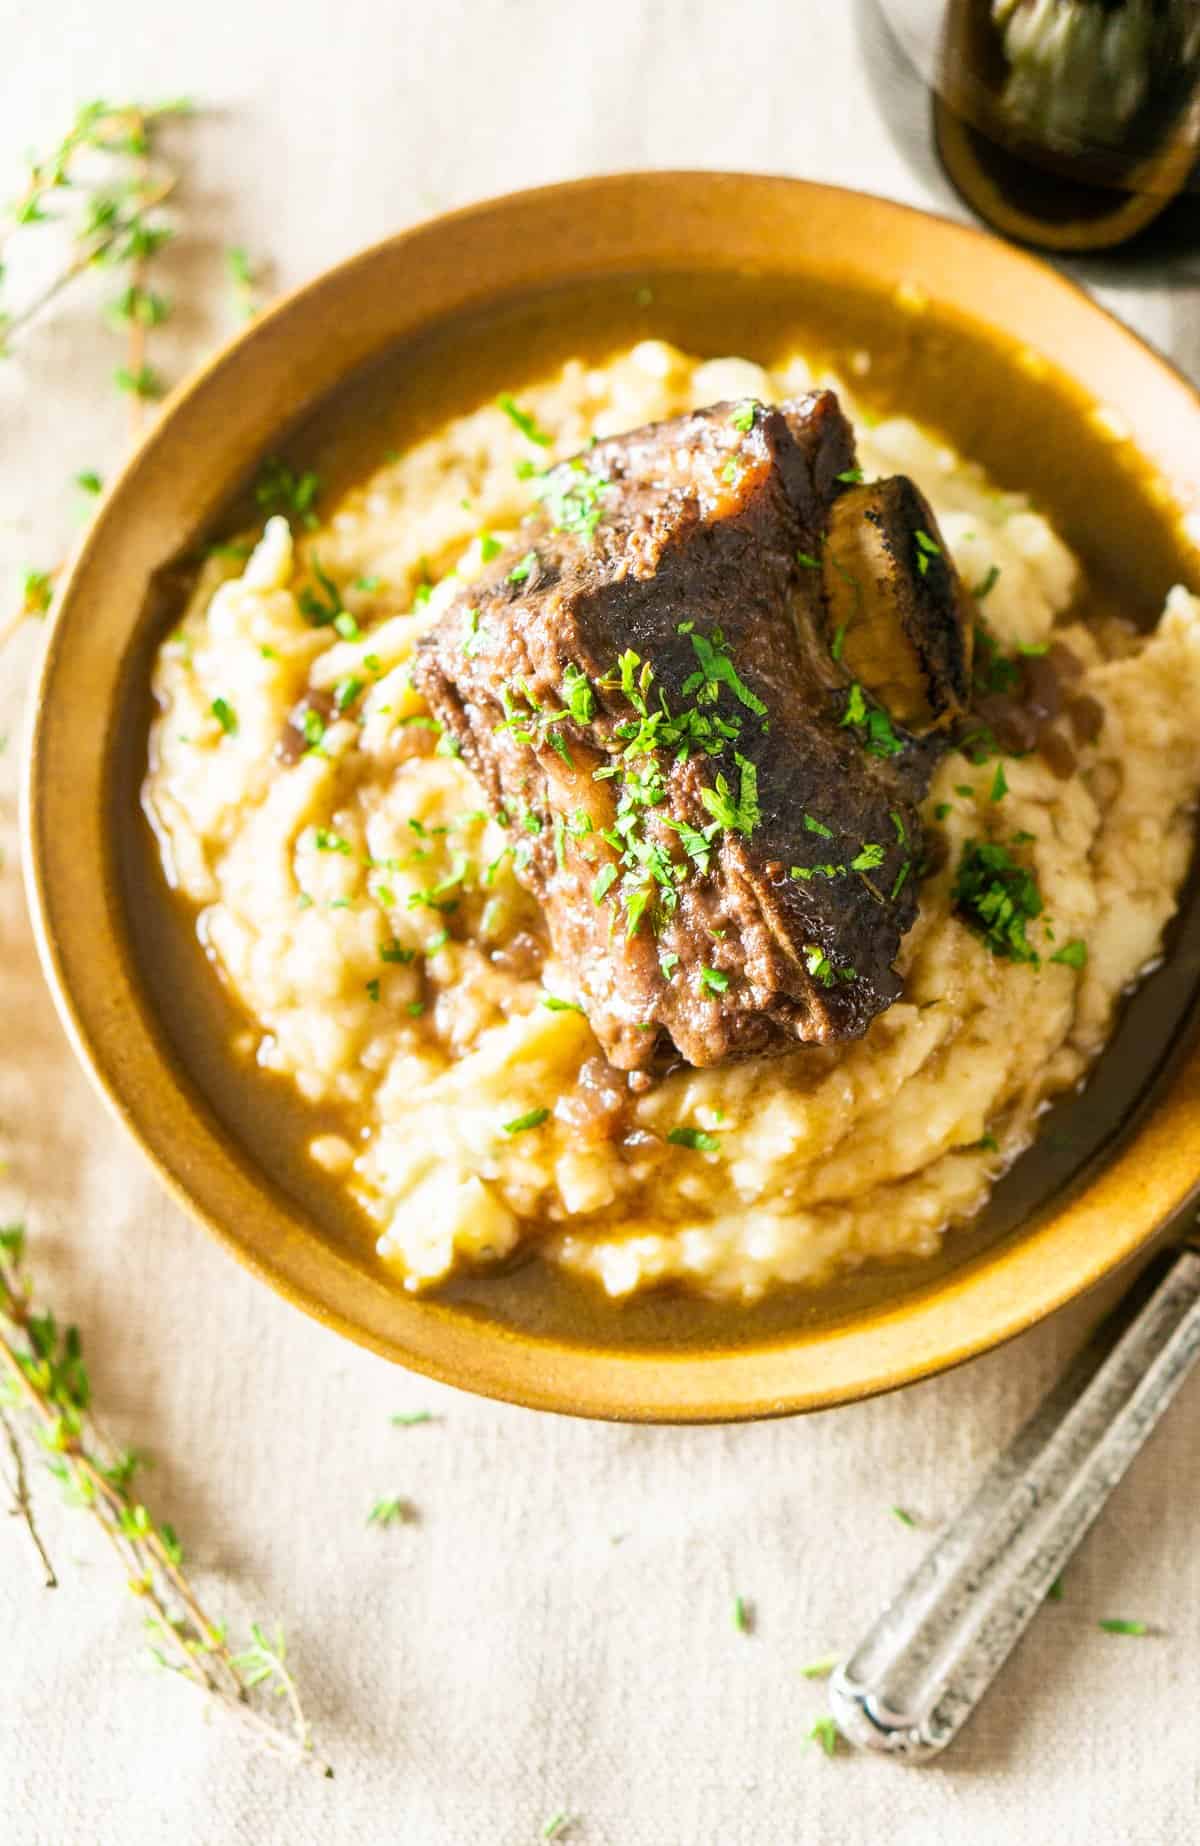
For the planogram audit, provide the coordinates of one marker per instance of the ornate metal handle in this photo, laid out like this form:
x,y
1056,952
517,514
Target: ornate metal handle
x,y
923,1668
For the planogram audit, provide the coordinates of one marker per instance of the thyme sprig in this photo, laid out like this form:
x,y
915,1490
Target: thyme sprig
x,y
102,187
45,1398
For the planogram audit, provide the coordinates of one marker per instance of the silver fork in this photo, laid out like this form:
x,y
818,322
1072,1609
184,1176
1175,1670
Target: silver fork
x,y
911,1685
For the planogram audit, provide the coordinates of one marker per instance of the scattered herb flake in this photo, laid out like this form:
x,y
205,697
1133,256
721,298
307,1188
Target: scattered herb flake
x,y
524,421
698,1139
225,716
1074,953
825,1732
521,1123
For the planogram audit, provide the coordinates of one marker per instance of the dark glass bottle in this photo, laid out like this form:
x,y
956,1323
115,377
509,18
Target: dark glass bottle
x,y
1068,123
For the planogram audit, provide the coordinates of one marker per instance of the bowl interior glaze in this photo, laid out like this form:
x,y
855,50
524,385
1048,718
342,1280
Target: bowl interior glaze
x,y
988,345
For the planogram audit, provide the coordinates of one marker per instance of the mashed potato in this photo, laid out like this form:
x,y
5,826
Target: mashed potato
x,y
360,905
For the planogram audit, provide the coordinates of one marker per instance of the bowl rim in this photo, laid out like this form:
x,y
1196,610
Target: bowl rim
x,y
990,1299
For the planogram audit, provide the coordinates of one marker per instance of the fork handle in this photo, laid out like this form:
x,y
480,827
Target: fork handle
x,y
918,1675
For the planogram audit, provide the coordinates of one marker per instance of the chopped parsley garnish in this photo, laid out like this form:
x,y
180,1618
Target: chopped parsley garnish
x,y
89,481
698,1139
743,1619
901,876
489,547
556,1826
394,951
717,669
942,809
524,421
314,728
986,584
668,962
281,490
897,821
373,989
1074,954
225,716
851,476
523,568
368,585
838,642
999,783
345,625
713,980
998,897
604,881
866,860
553,1004
1111,1625
743,418
905,1518
861,714
521,1123
812,825
571,494
345,692
822,969
321,611
986,1144
577,693
809,562
330,842
926,548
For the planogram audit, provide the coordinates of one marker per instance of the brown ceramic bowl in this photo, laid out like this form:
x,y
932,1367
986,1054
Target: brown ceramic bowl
x,y
1010,360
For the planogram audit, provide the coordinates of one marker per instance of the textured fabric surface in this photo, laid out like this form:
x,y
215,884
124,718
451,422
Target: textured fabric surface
x,y
501,1658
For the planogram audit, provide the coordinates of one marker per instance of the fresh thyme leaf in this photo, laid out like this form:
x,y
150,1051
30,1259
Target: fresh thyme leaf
x,y
390,1512
37,591
522,1123
144,382
825,1732
698,1139
822,1668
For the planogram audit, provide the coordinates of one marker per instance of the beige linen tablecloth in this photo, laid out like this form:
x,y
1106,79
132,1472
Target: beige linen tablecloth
x,y
500,1659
